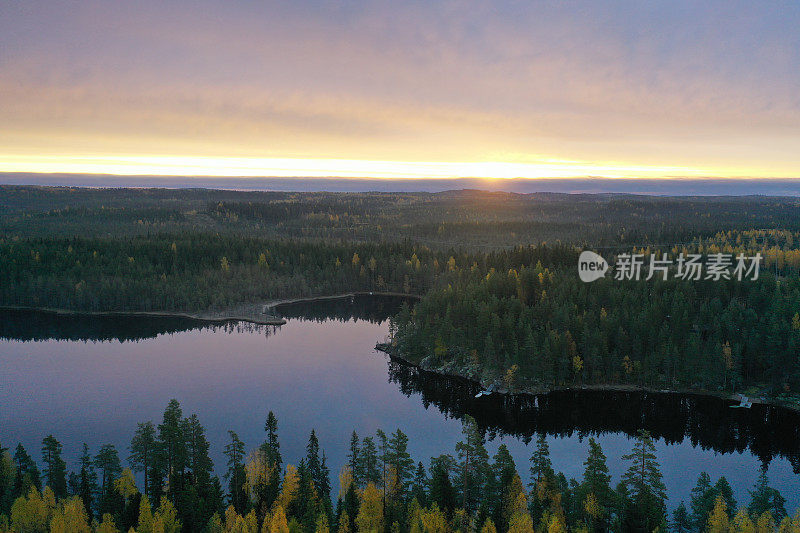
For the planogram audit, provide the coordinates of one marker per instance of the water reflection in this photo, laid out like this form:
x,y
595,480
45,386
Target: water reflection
x,y
372,308
26,325
707,422
20,325
319,372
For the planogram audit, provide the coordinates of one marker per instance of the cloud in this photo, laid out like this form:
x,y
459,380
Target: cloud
x,y
673,82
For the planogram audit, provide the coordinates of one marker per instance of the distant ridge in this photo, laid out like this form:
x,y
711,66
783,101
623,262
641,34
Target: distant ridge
x,y
588,185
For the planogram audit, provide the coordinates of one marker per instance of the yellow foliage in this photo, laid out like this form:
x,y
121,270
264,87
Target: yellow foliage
x,y
742,522
556,525
790,525
433,520
577,364
107,525
511,376
166,518
345,480
718,519
277,522
214,524
126,484
765,523
370,513
291,483
322,524
727,355
145,524
592,506
344,523
31,513
70,517
488,527
521,522
258,471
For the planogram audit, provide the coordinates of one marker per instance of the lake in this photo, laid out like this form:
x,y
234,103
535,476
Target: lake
x,y
93,378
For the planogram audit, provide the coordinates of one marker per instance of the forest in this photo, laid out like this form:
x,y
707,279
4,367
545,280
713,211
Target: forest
x,y
169,485
501,299
533,328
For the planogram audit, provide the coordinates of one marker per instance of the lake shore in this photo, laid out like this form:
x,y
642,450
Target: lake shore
x,y
243,314
261,313
454,373
311,299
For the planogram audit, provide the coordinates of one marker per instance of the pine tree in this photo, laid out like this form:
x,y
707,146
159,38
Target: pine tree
x,y
143,451
368,463
354,460
87,487
419,488
742,522
504,470
766,499
504,466
272,445
541,466
55,471
172,447
474,467
723,488
680,519
597,484
644,482
442,492
197,447
313,460
400,460
27,474
702,501
324,482
270,450
107,463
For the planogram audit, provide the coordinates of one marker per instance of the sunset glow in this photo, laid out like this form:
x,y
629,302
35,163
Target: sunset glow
x,y
208,166
417,90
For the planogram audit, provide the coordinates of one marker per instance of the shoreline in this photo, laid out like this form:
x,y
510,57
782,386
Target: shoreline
x,y
254,313
732,397
202,317
311,299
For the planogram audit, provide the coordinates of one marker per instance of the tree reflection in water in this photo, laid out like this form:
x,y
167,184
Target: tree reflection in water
x,y
708,422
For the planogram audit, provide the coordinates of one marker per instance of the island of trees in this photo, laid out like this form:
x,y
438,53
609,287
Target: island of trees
x,y
381,489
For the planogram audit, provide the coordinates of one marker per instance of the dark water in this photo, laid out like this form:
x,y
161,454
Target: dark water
x,y
93,378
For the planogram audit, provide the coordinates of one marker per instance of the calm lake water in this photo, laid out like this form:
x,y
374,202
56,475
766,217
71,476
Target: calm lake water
x,y
92,379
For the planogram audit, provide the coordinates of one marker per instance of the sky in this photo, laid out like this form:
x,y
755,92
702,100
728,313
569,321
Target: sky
x,y
415,89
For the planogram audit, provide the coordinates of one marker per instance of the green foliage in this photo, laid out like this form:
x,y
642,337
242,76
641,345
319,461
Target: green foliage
x,y
459,494
646,505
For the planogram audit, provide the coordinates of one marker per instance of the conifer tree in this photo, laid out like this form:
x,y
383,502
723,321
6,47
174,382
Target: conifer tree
x,y
645,486
27,475
143,452
235,475
681,522
87,488
55,471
